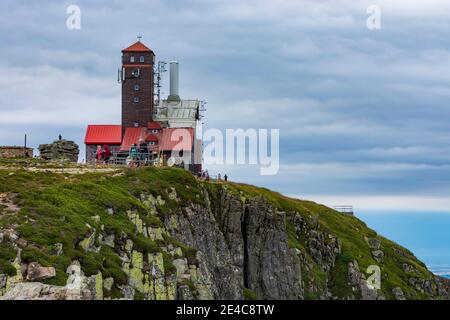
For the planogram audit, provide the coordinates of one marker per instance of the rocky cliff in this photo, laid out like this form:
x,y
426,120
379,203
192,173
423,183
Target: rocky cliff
x,y
162,234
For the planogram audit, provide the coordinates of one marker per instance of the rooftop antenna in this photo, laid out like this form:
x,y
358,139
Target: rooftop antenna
x,y
159,70
139,38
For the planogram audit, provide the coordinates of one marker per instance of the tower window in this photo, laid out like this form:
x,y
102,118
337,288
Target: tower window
x,y
136,87
142,59
136,99
132,59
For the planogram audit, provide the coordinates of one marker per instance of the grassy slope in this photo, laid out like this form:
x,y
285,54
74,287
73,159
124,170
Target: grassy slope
x,y
58,208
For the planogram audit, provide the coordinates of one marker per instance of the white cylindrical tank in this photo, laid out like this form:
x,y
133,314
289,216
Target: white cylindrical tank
x,y
174,81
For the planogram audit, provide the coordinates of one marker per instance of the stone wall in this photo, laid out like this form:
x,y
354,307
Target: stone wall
x,y
14,152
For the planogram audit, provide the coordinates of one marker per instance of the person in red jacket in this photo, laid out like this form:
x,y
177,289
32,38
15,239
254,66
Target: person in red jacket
x,y
106,153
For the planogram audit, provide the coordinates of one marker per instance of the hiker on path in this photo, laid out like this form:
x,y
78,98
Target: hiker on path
x,y
225,177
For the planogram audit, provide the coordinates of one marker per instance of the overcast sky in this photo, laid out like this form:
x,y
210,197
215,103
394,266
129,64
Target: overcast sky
x,y
363,114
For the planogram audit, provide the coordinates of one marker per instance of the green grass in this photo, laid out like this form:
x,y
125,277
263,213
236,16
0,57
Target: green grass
x,y
169,268
249,294
7,255
58,208
145,245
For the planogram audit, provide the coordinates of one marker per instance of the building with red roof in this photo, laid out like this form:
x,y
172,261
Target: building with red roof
x,y
100,135
103,134
169,132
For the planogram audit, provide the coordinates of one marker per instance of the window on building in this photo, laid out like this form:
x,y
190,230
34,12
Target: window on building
x,y
136,99
136,87
132,59
142,59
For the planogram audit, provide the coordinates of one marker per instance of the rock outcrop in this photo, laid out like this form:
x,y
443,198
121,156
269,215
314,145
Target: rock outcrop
x,y
60,149
78,287
36,272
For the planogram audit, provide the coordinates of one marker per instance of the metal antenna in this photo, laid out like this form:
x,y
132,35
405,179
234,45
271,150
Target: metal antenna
x,y
159,70
139,38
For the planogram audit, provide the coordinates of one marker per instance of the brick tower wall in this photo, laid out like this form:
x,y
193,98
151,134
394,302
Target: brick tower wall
x,y
137,112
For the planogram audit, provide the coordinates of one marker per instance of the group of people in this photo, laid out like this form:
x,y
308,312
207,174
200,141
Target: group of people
x,y
138,154
102,155
204,175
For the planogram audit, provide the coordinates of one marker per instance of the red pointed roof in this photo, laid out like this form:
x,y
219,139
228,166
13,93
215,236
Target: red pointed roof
x,y
103,134
137,47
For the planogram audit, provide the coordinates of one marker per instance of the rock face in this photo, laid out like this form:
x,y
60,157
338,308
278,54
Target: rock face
x,y
60,149
229,245
78,287
398,293
241,246
36,272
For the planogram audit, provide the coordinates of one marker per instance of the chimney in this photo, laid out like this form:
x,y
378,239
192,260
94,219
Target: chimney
x,y
174,94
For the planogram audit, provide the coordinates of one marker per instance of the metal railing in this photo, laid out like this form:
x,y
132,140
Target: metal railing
x,y
123,158
344,209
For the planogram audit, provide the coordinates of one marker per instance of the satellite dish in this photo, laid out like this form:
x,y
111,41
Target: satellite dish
x,y
171,161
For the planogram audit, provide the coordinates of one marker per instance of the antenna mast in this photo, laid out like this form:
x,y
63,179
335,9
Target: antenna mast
x,y
159,70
